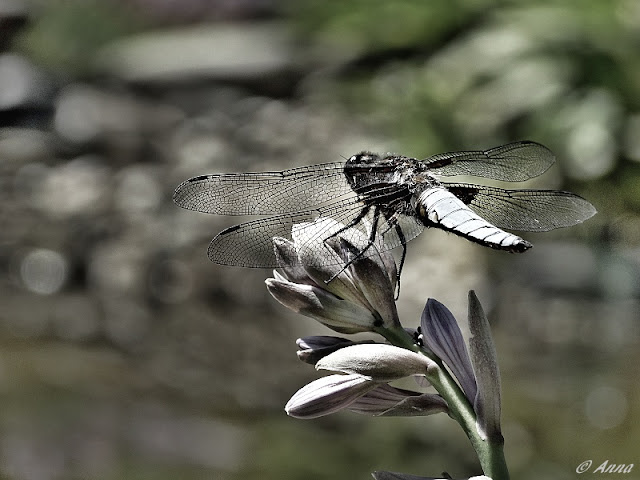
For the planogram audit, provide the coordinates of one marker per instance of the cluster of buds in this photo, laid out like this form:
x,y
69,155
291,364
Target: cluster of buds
x,y
348,284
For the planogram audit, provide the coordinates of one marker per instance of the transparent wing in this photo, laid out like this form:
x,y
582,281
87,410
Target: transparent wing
x,y
250,244
526,210
514,162
398,230
264,193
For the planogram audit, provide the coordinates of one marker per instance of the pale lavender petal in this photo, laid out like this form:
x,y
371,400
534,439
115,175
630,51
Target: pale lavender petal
x,y
380,362
327,395
386,400
309,239
422,405
278,276
316,249
389,266
442,336
317,303
485,362
287,258
356,243
315,342
380,399
372,278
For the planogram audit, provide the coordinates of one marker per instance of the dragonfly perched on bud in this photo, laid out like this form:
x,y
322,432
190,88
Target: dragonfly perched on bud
x,y
391,198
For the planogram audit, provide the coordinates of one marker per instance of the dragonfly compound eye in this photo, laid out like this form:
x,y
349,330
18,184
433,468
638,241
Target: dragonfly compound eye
x,y
364,158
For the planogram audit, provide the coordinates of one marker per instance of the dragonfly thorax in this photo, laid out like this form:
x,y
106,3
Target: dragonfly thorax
x,y
368,169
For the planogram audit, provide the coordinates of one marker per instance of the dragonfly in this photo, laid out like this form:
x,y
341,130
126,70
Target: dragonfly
x,y
391,199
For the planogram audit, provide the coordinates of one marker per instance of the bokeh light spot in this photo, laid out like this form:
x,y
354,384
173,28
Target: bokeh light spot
x,y
43,271
605,407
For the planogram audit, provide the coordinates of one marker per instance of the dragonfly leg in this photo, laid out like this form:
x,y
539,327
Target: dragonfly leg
x,y
372,237
402,239
363,213
392,222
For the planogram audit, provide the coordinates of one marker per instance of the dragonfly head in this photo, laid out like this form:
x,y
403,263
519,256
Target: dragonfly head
x,y
366,168
363,159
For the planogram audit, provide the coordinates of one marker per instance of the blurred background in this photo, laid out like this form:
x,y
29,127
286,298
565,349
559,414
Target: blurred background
x,y
125,353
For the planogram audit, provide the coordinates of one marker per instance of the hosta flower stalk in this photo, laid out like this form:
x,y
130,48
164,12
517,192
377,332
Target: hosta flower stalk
x,y
331,281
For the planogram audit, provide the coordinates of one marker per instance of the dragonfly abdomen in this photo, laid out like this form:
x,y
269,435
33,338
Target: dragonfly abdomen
x,y
438,207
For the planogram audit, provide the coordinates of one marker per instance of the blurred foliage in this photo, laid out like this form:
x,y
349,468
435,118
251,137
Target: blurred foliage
x,y
66,35
432,72
371,444
376,26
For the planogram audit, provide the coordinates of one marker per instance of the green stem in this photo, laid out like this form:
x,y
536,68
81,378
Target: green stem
x,y
490,451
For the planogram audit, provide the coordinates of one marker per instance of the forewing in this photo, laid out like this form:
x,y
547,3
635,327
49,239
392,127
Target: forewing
x,y
264,193
250,244
525,210
514,162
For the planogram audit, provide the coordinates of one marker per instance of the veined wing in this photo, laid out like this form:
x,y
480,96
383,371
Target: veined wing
x,y
250,244
525,210
264,193
514,162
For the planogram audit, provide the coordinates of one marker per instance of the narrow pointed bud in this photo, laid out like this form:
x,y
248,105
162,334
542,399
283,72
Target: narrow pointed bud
x,y
327,395
287,259
442,335
382,363
319,304
312,349
374,280
485,363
